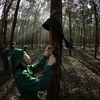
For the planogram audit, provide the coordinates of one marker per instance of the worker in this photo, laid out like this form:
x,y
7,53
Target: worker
x,y
24,72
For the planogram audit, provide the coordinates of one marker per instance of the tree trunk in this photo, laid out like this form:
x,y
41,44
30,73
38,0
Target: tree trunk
x,y
5,17
4,22
74,31
70,33
6,9
84,40
81,37
96,30
14,24
32,41
1,30
56,11
90,39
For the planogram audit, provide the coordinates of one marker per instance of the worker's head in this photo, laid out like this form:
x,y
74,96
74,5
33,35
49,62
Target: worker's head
x,y
26,59
19,56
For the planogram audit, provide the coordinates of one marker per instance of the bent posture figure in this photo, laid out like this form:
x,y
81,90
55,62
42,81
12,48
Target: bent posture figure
x,y
27,84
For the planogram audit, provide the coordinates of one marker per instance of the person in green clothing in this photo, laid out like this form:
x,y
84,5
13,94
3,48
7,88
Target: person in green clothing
x,y
4,56
5,60
26,83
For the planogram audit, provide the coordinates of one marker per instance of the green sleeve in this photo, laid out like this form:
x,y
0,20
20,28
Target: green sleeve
x,y
29,83
37,67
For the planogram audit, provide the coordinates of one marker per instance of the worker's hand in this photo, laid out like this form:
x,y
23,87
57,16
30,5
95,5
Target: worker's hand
x,y
39,77
52,60
47,53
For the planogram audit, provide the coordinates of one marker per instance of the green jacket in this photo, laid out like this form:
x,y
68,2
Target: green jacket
x,y
28,85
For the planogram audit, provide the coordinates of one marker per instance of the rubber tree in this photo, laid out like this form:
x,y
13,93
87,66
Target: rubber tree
x,y
96,29
70,53
56,11
14,24
5,12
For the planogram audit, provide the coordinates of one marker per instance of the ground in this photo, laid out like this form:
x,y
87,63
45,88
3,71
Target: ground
x,y
80,78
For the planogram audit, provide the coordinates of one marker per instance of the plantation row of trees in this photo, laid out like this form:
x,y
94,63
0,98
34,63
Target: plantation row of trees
x,y
84,22
21,21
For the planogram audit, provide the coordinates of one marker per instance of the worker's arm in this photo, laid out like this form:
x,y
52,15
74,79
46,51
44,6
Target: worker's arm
x,y
37,67
29,83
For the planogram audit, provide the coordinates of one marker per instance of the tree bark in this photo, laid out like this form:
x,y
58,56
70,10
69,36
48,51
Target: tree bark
x,y
70,33
96,30
5,17
6,9
84,30
81,37
90,39
56,11
14,24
